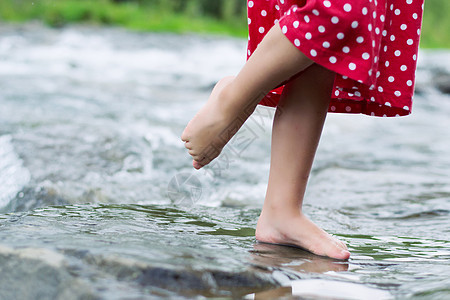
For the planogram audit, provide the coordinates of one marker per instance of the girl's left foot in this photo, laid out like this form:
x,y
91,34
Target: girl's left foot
x,y
214,125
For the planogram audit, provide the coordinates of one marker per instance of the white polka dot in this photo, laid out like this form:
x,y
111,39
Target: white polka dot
x,y
369,27
352,66
306,19
308,35
386,63
296,24
392,37
380,89
397,11
391,78
284,29
415,16
355,24
357,94
347,7
384,33
336,93
249,53
366,56
388,104
409,83
382,18
249,21
408,1
313,52
405,107
375,59
297,42
327,3
377,30
360,39
414,57
340,35
277,7
348,109
263,13
378,74
403,27
333,59
372,99
326,44
410,42
321,29
364,11
334,20
403,68
397,52
250,4
316,12
261,29
346,49
333,108
276,21
398,93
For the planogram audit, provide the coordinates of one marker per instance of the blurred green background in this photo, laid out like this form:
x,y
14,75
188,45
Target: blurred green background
x,y
226,17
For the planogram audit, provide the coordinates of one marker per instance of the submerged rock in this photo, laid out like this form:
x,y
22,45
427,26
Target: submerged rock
x,y
442,82
39,273
120,251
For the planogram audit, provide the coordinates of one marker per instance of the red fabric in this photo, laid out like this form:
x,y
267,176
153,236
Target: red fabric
x,y
372,46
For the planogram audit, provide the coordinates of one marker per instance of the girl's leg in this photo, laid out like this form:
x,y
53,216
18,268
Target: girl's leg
x,y
296,132
234,99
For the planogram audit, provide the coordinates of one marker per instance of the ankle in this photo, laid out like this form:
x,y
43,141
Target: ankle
x,y
281,210
233,101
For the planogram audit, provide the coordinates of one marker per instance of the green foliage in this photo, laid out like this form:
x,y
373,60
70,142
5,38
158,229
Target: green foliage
x,y
205,16
436,24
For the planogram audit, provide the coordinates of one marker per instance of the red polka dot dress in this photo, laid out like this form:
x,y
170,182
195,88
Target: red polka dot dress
x,y
372,46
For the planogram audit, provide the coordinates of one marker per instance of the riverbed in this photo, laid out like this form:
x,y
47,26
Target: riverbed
x,y
99,200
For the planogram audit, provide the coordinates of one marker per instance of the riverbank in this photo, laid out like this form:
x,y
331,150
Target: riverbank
x,y
162,18
130,15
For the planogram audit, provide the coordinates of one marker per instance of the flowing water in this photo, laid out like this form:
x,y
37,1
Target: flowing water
x,y
99,199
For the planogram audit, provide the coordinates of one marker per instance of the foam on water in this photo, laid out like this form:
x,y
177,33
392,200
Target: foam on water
x,y
13,175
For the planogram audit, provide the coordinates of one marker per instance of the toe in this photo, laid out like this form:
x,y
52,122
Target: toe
x,y
197,165
185,136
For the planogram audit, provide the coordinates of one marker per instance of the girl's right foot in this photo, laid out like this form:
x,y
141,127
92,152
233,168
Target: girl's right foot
x,y
292,228
215,124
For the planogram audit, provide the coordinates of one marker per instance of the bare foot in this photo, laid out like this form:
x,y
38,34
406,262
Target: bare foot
x,y
292,228
214,125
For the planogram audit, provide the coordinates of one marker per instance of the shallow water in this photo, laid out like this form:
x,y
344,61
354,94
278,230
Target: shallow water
x,y
94,176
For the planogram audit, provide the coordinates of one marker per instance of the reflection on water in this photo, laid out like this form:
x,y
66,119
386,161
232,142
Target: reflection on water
x,y
92,168
295,259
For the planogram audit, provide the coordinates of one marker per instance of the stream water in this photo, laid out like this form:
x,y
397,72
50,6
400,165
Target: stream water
x,y
99,200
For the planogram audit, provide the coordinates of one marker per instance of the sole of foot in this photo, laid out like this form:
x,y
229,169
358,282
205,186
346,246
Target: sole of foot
x,y
213,126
